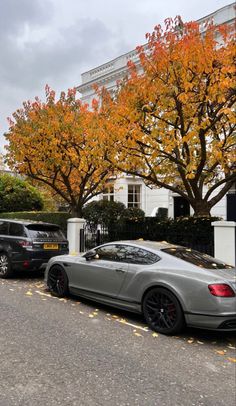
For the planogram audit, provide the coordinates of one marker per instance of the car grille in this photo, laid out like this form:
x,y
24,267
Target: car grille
x,y
228,324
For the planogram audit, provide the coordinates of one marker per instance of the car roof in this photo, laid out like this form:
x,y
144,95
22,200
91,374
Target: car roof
x,y
28,222
154,245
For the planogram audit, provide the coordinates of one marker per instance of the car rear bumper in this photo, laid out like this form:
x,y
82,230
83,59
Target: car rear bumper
x,y
212,322
35,260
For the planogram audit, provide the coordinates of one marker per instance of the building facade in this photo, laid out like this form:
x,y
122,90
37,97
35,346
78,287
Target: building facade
x,y
131,190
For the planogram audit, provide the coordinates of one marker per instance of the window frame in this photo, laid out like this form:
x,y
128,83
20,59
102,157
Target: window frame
x,y
109,193
132,203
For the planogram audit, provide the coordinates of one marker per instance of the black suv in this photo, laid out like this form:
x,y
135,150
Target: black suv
x,y
28,245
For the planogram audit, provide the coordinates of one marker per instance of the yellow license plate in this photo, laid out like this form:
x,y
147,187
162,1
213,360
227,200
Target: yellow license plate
x,y
50,246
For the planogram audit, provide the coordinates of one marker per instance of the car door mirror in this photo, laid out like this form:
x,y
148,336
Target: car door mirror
x,y
91,255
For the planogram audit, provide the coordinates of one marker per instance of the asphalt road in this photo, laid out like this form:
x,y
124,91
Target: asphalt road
x,y
77,353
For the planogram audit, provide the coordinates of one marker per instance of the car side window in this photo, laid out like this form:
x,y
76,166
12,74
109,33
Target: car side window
x,y
4,227
16,230
107,253
140,256
115,253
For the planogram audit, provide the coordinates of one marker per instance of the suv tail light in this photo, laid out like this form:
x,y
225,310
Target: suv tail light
x,y
25,243
221,290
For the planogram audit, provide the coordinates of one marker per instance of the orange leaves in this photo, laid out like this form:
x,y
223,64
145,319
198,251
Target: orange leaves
x,y
173,123
59,147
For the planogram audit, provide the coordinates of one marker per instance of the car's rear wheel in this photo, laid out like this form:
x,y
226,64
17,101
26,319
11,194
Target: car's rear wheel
x,y
57,281
5,266
162,311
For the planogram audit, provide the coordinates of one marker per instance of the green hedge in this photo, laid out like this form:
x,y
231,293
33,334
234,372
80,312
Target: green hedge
x,y
191,232
59,218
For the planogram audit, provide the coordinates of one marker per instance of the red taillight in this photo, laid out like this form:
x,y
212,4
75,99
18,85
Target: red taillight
x,y
221,289
26,264
25,243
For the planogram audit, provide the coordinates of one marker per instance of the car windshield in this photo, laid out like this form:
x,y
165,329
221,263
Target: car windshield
x,y
197,258
45,231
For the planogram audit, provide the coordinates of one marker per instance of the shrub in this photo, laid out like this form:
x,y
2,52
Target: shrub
x,y
103,212
18,195
133,214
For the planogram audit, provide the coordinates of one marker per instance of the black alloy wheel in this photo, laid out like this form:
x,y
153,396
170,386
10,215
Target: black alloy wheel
x,y
162,311
5,266
57,281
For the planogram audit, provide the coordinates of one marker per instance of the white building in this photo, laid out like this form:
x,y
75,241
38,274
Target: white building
x,y
131,190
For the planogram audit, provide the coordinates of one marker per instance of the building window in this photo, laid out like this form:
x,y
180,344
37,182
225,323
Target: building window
x,y
134,196
108,193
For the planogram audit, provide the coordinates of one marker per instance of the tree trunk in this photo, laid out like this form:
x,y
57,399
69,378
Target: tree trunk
x,y
202,208
76,211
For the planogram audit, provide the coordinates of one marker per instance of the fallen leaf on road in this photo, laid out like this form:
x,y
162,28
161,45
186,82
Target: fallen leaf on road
x,y
29,293
91,315
138,335
154,334
221,352
231,359
43,294
190,341
40,285
200,342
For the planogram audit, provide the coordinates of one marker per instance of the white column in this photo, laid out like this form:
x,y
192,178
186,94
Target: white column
x,y
225,243
74,225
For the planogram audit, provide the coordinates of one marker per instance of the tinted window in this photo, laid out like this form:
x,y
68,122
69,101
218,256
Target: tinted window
x,y
127,253
45,231
196,258
3,228
17,230
108,253
139,256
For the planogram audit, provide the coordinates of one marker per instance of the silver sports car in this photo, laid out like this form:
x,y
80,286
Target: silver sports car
x,y
171,285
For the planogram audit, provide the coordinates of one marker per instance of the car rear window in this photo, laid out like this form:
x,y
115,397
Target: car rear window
x,y
45,231
197,258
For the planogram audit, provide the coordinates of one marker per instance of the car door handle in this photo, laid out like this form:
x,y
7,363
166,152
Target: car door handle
x,y
120,270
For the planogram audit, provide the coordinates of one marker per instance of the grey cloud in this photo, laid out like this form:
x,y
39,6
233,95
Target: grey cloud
x,y
15,14
24,70
72,48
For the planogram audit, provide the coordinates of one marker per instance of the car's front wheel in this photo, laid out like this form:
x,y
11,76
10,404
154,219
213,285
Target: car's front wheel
x,y
57,281
5,266
162,311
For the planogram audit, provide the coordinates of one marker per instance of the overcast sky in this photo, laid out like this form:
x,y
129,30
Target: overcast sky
x,y
54,41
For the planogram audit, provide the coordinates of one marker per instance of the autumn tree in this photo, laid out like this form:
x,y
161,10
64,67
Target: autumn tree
x,y
53,142
174,124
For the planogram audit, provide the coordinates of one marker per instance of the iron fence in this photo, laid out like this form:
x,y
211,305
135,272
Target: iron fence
x,y
91,237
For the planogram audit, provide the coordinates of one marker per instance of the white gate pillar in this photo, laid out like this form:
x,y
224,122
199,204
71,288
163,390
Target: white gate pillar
x,y
74,225
225,241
